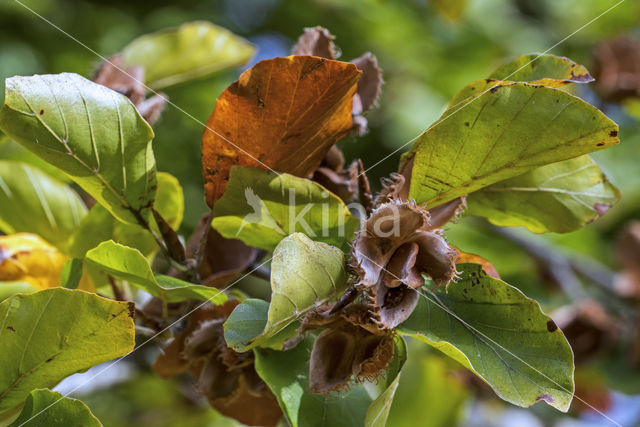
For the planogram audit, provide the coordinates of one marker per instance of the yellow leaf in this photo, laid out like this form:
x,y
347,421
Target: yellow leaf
x,y
26,257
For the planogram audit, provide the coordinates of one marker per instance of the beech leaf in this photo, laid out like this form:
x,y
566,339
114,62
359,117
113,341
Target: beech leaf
x,y
501,335
12,150
92,133
505,132
99,225
87,330
34,202
48,408
543,69
304,275
560,197
192,50
283,114
547,70
129,264
261,208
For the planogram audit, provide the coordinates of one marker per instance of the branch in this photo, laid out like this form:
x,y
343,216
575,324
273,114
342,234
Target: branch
x,y
563,268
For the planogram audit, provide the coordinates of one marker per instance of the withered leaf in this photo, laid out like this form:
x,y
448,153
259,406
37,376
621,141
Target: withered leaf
x,y
283,114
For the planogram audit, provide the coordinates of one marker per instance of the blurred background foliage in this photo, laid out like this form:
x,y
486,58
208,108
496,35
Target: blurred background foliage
x,y
428,49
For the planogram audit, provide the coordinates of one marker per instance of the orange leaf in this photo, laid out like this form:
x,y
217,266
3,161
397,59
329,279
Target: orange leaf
x,y
282,114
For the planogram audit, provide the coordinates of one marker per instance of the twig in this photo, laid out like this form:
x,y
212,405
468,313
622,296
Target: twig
x,y
563,268
117,292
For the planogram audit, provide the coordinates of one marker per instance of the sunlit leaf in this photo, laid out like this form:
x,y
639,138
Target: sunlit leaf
x,y
543,69
283,114
10,288
304,274
129,264
27,258
51,334
192,50
34,202
261,208
547,70
48,408
505,132
11,150
504,337
286,373
92,133
560,197
99,225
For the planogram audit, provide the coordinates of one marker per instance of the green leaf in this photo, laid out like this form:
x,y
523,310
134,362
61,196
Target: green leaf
x,y
193,50
428,384
92,133
99,225
547,70
248,323
261,208
560,197
504,337
11,150
48,408
51,334
304,275
129,264
542,69
8,289
286,373
505,132
71,273
169,203
33,202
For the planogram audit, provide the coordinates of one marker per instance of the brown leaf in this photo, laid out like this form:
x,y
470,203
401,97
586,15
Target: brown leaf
x,y
283,114
316,41
223,259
